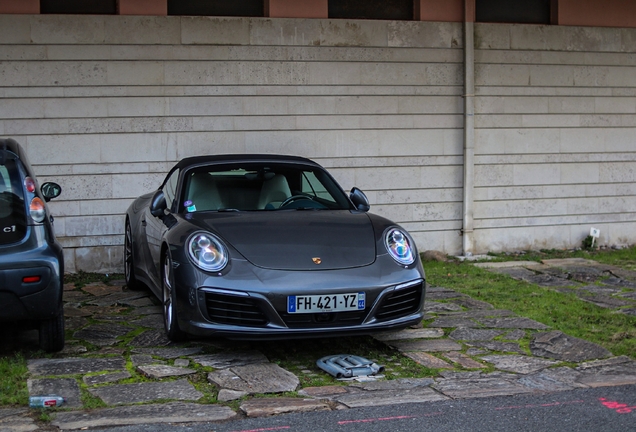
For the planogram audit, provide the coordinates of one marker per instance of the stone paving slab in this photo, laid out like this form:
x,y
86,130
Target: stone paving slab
x,y
144,359
146,392
427,360
424,333
151,321
513,323
105,378
269,407
541,382
164,371
397,384
389,397
603,301
255,378
472,334
433,306
452,322
498,346
463,360
226,395
173,412
99,290
116,298
610,376
16,420
228,359
480,387
68,388
507,264
559,346
477,314
518,363
427,345
169,353
73,365
102,334
151,338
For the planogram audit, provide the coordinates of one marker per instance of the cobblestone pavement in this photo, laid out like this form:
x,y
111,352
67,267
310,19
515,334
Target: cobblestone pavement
x,y
143,378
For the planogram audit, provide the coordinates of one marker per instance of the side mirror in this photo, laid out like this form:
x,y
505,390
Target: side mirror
x,y
50,190
158,204
359,199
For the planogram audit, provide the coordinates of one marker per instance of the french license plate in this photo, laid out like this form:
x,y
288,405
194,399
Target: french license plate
x,y
325,303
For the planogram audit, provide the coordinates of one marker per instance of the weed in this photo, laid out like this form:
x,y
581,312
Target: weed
x,y
13,388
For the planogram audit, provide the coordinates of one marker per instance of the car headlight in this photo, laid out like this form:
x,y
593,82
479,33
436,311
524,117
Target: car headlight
x,y
399,246
207,252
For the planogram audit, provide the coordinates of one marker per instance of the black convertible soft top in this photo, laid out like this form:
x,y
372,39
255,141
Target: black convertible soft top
x,y
200,160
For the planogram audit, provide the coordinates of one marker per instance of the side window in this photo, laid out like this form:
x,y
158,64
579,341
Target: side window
x,y
170,188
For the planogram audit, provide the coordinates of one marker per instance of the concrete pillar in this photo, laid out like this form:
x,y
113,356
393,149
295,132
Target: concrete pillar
x,y
19,6
142,7
297,8
438,10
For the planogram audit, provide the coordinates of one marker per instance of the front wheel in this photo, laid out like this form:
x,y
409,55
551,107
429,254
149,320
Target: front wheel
x,y
52,333
171,324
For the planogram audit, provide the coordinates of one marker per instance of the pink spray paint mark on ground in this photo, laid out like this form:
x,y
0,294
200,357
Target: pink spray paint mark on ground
x,y
620,408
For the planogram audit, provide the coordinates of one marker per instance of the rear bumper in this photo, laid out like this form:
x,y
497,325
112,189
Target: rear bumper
x,y
29,299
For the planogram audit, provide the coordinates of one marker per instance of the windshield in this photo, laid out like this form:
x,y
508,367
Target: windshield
x,y
261,186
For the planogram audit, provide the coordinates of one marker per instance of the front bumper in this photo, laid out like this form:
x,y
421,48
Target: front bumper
x,y
254,306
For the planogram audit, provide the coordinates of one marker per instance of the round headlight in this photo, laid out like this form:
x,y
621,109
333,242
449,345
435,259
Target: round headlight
x,y
399,246
207,252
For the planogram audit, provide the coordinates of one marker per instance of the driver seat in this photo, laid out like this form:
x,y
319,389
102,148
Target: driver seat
x,y
274,192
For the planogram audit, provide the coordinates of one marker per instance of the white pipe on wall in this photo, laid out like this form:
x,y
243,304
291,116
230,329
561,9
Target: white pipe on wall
x,y
469,130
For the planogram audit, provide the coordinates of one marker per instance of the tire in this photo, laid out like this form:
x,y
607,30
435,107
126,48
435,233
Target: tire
x,y
52,333
129,260
168,301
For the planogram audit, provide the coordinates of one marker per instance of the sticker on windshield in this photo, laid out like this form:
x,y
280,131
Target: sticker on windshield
x,y
190,206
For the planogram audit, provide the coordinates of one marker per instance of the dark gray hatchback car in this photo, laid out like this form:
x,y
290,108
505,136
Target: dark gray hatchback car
x,y
31,259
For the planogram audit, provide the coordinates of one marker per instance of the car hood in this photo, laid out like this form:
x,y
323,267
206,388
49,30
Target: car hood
x,y
296,239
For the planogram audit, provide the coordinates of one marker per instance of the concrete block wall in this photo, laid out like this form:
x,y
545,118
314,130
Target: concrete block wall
x,y
555,136
105,105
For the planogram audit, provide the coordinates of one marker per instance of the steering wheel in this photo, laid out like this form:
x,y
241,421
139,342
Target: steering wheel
x,y
294,198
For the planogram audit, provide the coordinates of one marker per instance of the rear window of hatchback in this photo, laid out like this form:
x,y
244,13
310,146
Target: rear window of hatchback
x,y
13,221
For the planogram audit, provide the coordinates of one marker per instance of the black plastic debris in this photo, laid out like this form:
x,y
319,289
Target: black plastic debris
x,y
348,366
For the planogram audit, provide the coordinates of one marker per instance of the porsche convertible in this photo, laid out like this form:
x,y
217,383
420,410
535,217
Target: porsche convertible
x,y
269,247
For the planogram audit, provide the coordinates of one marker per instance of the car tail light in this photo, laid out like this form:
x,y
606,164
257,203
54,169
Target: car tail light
x,y
31,279
37,210
29,184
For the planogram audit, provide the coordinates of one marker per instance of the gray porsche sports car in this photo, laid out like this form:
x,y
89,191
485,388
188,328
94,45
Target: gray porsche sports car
x,y
267,246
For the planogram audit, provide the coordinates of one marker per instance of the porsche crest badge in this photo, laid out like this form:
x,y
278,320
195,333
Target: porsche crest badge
x,y
317,260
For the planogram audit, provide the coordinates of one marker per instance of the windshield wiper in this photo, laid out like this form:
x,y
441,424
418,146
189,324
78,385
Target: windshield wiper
x,y
227,210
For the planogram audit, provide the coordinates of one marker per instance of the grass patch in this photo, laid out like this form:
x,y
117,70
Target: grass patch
x,y
560,311
13,376
81,278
